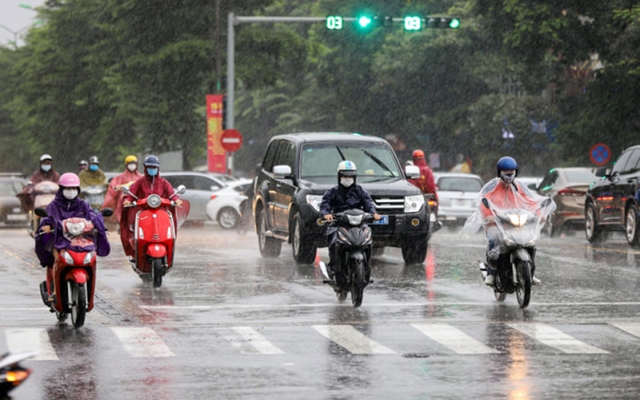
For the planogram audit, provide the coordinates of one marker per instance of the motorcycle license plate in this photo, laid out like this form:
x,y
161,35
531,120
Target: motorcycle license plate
x,y
384,220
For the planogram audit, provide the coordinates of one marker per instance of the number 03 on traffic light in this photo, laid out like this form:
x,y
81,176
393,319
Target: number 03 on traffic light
x,y
412,23
334,22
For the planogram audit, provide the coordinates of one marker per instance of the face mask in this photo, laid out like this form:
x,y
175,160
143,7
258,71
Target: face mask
x,y
70,194
46,167
346,182
152,171
93,167
132,167
507,178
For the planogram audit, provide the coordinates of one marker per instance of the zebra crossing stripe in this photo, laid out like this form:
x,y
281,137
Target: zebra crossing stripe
x,y
248,341
555,338
142,342
351,339
30,339
632,328
454,339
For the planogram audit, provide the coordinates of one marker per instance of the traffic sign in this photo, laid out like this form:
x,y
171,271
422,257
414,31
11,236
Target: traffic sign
x,y
600,154
231,140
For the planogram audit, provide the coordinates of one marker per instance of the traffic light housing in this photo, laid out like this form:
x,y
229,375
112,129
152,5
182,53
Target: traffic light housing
x,y
442,22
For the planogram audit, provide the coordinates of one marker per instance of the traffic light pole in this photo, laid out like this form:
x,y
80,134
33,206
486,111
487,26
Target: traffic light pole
x,y
231,44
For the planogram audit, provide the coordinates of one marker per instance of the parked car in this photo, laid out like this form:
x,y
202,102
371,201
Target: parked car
x,y
568,188
200,189
11,213
224,206
611,203
296,171
457,193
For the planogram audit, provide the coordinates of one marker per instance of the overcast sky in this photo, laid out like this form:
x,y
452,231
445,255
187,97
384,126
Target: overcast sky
x,y
15,20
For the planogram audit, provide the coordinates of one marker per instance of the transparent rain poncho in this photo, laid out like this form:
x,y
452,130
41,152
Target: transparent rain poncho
x,y
512,207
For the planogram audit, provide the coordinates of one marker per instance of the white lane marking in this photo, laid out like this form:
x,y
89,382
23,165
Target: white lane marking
x,y
30,339
351,339
142,342
371,305
454,339
555,338
630,327
248,341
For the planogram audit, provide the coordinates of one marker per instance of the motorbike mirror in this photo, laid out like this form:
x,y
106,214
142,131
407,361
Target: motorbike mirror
x,y
41,212
181,189
485,202
106,212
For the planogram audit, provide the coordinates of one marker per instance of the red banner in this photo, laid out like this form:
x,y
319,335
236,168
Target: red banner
x,y
216,155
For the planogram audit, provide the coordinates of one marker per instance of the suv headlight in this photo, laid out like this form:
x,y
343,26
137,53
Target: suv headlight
x,y
413,203
314,201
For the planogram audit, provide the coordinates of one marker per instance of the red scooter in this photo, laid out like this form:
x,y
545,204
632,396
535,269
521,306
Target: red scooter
x,y
74,271
154,234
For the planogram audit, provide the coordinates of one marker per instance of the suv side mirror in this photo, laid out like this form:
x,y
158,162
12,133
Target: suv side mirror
x,y
282,172
600,172
181,189
412,171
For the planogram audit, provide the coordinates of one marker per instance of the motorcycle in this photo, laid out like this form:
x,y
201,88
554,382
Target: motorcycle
x,y
12,374
434,225
74,271
43,193
353,248
519,233
94,195
154,236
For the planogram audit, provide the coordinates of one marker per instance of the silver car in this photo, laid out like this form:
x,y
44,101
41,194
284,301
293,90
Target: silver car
x,y
457,193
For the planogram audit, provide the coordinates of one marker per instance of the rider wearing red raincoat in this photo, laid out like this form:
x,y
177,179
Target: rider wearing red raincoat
x,y
426,183
150,183
113,199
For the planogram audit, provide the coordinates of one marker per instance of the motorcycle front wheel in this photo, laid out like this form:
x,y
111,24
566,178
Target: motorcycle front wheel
x,y
156,268
357,282
523,287
79,305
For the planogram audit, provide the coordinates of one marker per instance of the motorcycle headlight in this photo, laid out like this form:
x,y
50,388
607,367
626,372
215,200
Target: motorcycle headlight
x,y
355,219
314,201
517,220
67,258
413,203
88,257
154,201
75,229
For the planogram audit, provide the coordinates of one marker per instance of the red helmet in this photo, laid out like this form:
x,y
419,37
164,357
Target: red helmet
x,y
418,154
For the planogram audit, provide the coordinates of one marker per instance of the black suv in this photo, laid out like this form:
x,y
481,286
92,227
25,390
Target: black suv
x,y
297,170
610,204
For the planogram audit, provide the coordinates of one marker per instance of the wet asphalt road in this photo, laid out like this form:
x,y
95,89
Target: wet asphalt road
x,y
228,324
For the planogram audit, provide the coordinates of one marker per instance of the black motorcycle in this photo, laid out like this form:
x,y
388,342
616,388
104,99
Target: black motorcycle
x,y
12,374
519,234
352,272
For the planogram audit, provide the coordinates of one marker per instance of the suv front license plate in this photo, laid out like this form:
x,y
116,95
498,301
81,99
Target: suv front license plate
x,y
384,220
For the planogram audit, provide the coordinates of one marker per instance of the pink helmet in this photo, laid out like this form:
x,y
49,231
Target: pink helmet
x,y
69,179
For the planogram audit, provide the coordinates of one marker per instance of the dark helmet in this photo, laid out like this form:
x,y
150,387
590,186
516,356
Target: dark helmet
x,y
152,161
506,163
94,160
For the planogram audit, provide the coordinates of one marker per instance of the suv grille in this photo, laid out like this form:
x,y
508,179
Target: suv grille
x,y
389,204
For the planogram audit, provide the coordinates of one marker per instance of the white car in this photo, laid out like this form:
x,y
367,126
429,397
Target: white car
x,y
457,193
224,205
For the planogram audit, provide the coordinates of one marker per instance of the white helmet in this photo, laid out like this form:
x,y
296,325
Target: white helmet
x,y
347,168
45,157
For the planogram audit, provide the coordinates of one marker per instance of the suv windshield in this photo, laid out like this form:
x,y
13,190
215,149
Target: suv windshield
x,y
375,162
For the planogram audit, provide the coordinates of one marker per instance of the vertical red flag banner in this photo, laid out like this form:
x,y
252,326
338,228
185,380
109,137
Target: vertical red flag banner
x,y
216,155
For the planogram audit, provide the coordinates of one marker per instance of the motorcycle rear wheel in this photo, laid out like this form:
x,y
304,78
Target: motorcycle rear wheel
x,y
523,287
156,268
357,283
79,305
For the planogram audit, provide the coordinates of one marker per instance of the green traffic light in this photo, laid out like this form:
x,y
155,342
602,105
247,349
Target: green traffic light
x,y
364,21
454,23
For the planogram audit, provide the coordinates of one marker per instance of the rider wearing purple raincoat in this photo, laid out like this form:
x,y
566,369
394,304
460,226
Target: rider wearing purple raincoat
x,y
61,208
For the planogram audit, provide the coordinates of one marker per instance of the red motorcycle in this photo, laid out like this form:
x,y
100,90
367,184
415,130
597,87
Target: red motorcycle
x,y
154,228
74,271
